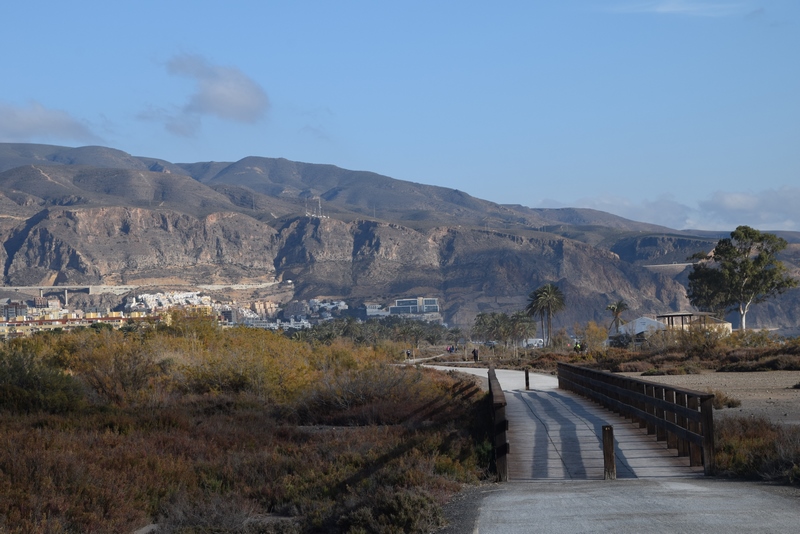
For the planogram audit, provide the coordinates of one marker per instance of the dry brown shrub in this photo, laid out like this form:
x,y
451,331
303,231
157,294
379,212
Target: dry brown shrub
x,y
755,448
636,366
723,400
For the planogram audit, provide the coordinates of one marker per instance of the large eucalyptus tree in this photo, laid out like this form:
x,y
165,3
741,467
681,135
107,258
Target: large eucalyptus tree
x,y
741,271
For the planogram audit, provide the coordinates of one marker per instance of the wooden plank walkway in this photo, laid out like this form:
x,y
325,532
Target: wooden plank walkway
x,y
557,435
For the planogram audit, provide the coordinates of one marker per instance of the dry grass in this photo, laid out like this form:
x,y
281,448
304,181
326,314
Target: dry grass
x,y
205,430
755,448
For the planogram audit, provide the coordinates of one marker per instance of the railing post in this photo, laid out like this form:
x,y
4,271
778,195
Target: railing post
x,y
707,412
641,388
672,438
650,409
661,432
695,451
609,460
683,445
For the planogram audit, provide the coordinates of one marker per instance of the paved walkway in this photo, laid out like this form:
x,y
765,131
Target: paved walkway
x,y
635,506
557,435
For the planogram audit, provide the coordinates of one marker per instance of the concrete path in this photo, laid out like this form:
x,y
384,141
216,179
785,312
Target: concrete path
x,y
557,435
643,506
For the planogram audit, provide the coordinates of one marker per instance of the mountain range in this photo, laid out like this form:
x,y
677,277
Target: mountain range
x,y
97,215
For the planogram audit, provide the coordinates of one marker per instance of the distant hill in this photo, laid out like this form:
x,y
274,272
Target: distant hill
x,y
100,215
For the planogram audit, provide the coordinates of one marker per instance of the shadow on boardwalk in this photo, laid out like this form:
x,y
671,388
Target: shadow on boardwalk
x,y
556,478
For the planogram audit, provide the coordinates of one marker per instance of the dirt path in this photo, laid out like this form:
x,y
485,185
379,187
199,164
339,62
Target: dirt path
x,y
768,393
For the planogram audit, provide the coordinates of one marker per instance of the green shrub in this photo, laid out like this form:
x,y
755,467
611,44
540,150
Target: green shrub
x,y
702,341
119,369
752,339
399,510
755,448
29,384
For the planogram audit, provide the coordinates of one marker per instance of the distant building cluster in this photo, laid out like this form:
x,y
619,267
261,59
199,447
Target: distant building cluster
x,y
420,308
23,318
40,314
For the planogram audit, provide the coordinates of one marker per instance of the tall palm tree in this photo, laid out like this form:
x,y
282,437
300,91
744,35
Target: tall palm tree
x,y
482,327
522,327
616,309
545,302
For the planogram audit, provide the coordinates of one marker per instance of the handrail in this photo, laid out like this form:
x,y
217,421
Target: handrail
x,y
681,417
499,426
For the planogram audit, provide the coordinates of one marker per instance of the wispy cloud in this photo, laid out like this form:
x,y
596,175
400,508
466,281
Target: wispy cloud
x,y
221,91
690,8
35,122
771,209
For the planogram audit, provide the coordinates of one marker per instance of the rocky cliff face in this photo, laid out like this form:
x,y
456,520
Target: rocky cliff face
x,y
100,216
471,270
127,245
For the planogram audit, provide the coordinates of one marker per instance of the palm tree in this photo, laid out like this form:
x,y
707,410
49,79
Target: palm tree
x,y
482,327
616,309
545,302
522,327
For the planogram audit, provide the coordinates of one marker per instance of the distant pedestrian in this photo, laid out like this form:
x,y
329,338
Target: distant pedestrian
x,y
475,354
408,354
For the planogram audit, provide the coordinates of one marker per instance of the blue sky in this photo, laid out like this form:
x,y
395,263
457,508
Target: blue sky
x,y
677,112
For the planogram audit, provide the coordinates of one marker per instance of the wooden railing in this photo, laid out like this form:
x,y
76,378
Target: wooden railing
x,y
499,426
681,417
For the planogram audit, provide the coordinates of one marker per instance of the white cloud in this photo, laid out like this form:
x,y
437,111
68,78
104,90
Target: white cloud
x,y
220,91
36,122
769,210
684,7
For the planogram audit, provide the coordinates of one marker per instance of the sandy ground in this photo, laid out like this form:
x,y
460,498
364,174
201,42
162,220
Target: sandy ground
x,y
767,393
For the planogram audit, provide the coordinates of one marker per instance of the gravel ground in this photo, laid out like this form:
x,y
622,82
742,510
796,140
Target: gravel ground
x,y
768,393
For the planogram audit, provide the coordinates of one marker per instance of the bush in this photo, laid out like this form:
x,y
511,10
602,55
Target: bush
x,y
636,366
755,448
660,341
592,336
621,341
119,369
702,341
723,400
215,514
779,363
400,510
29,384
379,394
752,339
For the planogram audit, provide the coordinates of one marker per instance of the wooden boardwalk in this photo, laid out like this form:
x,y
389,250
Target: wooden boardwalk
x,y
556,435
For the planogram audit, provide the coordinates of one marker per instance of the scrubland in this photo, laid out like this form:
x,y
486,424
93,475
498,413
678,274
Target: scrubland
x,y
200,429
